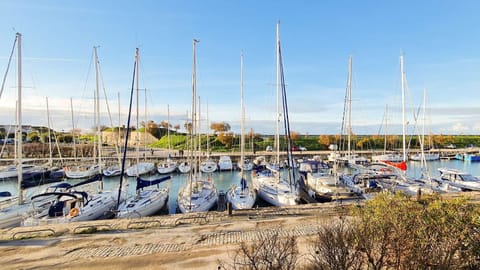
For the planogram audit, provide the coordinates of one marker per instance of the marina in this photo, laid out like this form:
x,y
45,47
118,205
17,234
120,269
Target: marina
x,y
224,179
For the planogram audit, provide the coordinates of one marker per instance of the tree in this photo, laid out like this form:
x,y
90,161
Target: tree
x,y
33,136
176,127
165,124
294,135
219,127
226,138
188,127
324,140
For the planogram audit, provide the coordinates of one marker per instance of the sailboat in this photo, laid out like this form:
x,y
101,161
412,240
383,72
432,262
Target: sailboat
x,y
149,197
271,186
169,165
185,166
350,157
241,196
399,161
140,168
208,165
424,156
80,205
199,194
89,170
13,214
114,170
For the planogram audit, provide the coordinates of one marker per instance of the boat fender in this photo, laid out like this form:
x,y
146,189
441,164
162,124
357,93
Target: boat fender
x,y
73,212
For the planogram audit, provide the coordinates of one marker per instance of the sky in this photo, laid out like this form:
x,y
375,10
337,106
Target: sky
x,y
440,41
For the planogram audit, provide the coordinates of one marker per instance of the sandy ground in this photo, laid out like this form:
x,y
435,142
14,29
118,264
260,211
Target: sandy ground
x,y
196,241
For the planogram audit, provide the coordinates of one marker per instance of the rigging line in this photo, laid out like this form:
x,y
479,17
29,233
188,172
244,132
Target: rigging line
x,y
117,150
8,67
84,89
126,136
291,174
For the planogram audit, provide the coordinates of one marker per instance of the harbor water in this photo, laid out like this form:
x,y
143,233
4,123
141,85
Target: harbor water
x,y
225,179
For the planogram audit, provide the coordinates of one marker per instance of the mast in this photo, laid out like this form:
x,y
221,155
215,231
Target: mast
x,y
277,118
18,134
137,139
119,120
402,70
97,115
50,159
73,132
199,133
349,86
386,126
422,145
208,135
145,126
127,131
168,127
194,118
242,125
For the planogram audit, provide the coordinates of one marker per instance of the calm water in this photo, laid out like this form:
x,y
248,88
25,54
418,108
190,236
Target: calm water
x,y
223,180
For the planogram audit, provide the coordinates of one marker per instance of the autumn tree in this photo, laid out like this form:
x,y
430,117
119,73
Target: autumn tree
x,y
294,135
226,138
218,127
324,140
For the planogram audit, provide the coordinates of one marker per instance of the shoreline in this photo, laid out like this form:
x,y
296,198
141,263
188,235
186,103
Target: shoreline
x,y
180,241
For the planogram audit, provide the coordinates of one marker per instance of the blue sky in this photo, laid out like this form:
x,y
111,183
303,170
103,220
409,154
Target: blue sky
x,y
440,40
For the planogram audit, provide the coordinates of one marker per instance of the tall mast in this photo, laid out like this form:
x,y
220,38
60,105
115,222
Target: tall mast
x,y
349,85
145,125
73,132
199,132
277,118
168,127
137,139
50,159
97,113
402,70
194,99
386,126
208,134
242,125
422,145
119,121
18,135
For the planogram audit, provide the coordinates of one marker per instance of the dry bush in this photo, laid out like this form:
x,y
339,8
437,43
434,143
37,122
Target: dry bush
x,y
334,247
269,251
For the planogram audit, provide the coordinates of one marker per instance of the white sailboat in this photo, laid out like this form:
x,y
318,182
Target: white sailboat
x,y
397,160
115,170
199,194
208,165
169,165
271,186
76,205
350,157
241,196
149,197
144,167
13,214
424,156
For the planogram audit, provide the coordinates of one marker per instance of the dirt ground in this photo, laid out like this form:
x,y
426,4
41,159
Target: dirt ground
x,y
196,241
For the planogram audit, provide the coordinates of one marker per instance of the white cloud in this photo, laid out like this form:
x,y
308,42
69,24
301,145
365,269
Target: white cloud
x,y
460,128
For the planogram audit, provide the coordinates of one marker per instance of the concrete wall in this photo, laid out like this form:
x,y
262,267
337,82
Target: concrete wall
x,y
111,138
